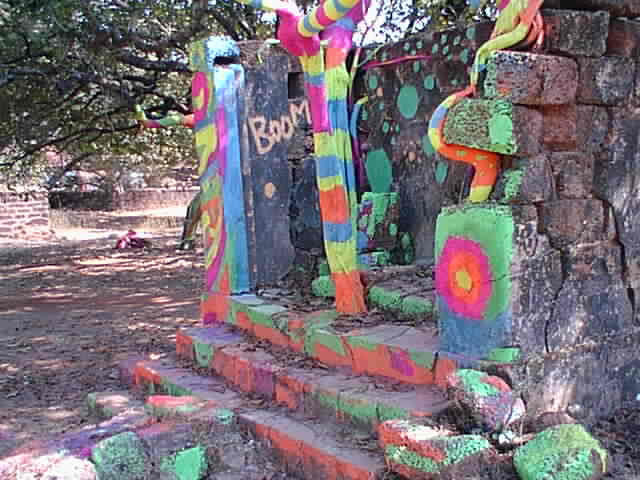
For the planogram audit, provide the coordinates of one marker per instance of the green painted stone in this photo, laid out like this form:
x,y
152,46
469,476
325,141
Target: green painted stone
x,y
504,355
323,286
429,82
384,298
372,82
190,464
379,173
427,146
121,457
416,306
407,101
442,170
563,452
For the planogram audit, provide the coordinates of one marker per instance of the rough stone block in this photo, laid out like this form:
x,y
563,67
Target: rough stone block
x,y
488,399
624,38
494,125
530,79
621,8
605,80
421,452
573,174
616,181
565,448
590,379
570,222
576,33
560,132
588,310
593,126
528,181
483,298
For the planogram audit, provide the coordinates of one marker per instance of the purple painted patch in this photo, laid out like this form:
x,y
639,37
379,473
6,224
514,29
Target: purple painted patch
x,y
264,380
401,362
209,319
218,334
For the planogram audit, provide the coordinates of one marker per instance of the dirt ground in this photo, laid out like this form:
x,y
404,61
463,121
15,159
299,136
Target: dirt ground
x,y
71,308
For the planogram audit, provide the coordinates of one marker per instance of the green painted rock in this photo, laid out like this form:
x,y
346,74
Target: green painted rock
x,y
189,464
323,287
564,452
488,399
121,457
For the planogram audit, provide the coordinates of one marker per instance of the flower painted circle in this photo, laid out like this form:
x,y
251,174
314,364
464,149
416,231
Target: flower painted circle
x,y
463,277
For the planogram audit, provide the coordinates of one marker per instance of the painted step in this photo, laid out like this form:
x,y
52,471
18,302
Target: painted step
x,y
308,448
403,296
355,399
400,352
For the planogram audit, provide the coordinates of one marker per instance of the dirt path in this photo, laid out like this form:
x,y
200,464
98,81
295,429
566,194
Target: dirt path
x,y
69,311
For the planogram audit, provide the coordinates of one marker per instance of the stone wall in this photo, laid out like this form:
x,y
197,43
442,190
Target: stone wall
x,y
143,199
559,238
23,211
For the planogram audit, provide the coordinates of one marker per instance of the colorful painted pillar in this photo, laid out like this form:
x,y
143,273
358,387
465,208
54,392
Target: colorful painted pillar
x,y
496,280
327,85
216,90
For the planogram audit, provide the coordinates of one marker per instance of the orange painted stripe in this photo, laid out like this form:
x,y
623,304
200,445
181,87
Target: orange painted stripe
x,y
334,207
349,293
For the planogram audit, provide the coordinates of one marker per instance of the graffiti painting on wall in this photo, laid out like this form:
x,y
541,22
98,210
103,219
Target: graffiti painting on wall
x,y
267,133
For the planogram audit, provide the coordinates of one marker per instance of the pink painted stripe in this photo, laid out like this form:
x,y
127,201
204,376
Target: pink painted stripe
x,y
318,106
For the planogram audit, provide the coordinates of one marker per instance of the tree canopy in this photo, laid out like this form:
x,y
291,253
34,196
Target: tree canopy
x,y
71,72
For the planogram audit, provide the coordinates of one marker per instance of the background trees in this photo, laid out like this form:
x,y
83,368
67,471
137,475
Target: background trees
x,y
72,70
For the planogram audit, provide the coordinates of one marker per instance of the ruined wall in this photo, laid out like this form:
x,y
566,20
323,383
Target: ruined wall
x,y
402,97
22,212
555,254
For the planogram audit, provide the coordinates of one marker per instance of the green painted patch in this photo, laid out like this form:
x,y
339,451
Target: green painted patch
x,y
471,33
427,147
385,127
504,355
381,106
393,229
457,40
224,416
388,412
442,170
379,171
501,128
563,452
416,306
429,82
384,298
362,342
407,101
190,464
435,48
372,81
512,179
472,382
416,67
422,359
204,353
362,411
324,287
173,389
121,457
331,340
464,56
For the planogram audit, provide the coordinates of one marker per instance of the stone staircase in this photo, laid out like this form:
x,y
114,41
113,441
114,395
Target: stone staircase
x,y
319,400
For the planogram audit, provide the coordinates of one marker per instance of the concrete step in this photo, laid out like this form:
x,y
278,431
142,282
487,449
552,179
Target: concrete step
x,y
292,381
404,353
307,447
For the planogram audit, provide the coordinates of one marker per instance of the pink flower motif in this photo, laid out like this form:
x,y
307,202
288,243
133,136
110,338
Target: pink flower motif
x,y
463,277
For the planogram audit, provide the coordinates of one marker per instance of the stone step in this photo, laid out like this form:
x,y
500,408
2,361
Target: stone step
x,y
404,353
279,377
307,448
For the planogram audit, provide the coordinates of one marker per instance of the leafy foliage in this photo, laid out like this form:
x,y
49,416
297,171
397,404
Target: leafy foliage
x,y
71,72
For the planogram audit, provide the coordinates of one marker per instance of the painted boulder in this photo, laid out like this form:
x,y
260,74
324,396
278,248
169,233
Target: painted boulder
x,y
566,452
488,399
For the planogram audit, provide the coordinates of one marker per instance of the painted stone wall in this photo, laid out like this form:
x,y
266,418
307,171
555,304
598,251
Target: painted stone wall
x,y
403,92
555,253
21,212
